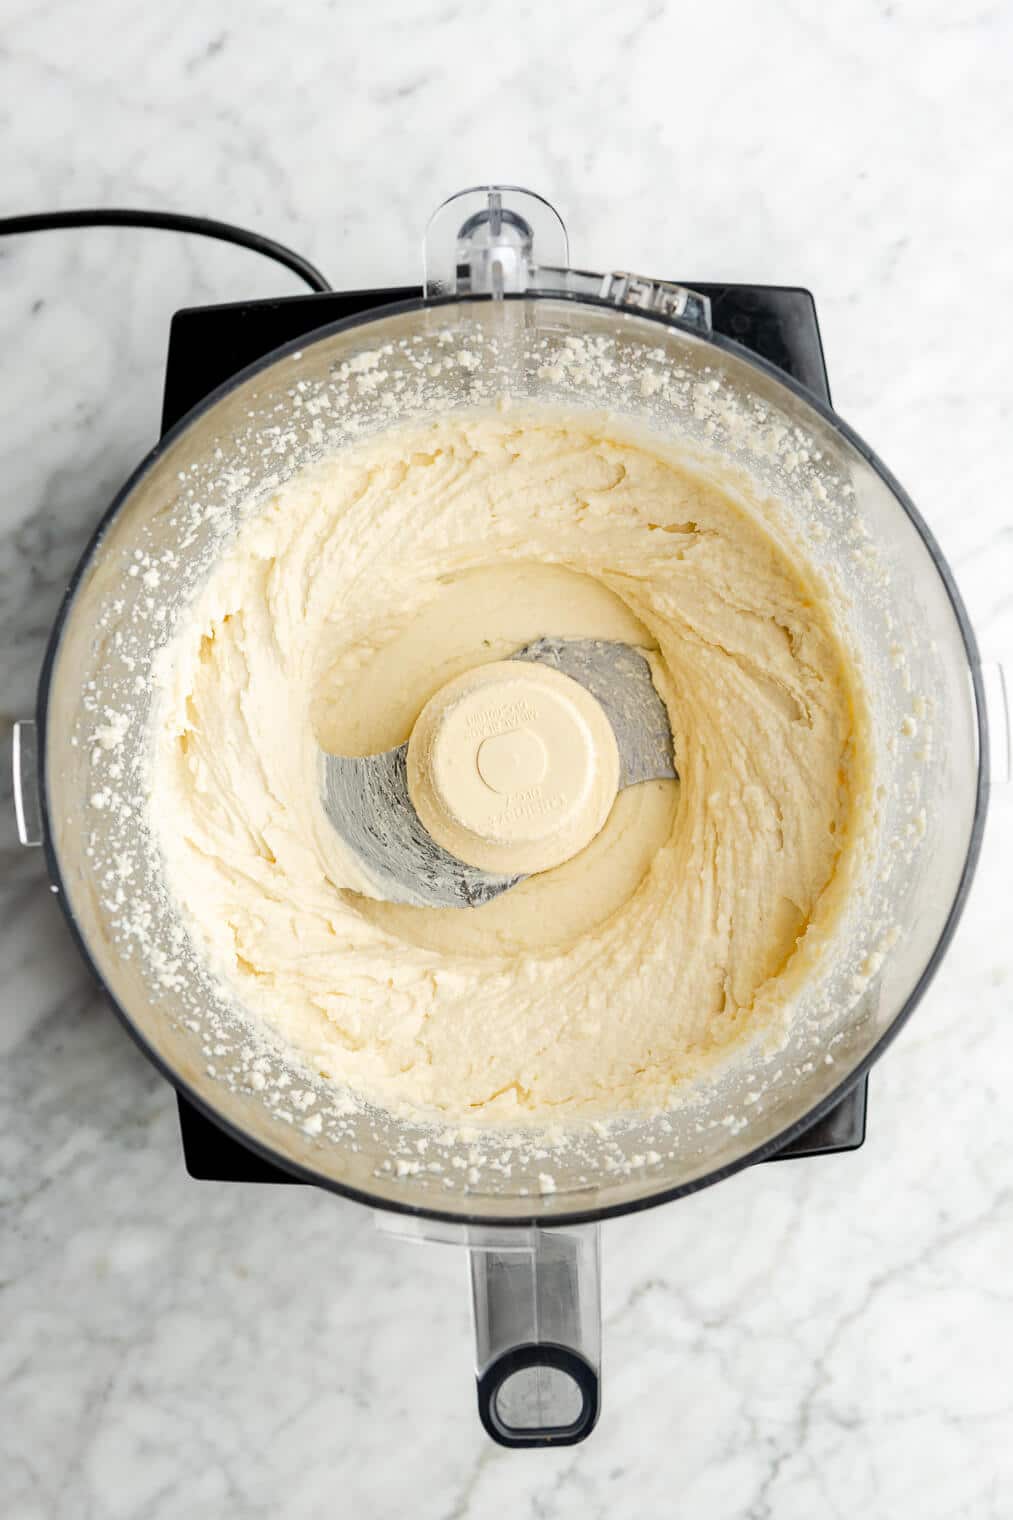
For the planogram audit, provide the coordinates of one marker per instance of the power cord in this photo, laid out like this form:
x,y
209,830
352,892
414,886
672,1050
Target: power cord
x,y
170,221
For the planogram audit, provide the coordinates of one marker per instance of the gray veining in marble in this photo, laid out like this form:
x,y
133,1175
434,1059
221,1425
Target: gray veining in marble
x,y
817,1338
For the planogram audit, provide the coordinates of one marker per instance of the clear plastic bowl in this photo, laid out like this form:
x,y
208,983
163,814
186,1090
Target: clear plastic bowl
x,y
903,617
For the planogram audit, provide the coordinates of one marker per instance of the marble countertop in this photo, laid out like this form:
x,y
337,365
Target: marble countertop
x,y
815,1338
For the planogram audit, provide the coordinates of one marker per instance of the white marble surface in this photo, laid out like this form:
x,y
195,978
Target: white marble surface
x,y
816,1338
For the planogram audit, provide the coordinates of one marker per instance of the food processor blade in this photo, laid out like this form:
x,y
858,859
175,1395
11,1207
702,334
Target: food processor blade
x,y
619,677
366,797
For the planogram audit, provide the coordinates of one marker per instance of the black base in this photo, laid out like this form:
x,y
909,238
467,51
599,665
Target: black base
x,y
210,344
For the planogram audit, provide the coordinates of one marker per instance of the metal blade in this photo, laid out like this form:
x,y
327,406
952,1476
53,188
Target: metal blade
x,y
366,796
620,678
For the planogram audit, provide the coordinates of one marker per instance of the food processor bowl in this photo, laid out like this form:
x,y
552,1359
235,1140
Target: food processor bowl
x,y
511,327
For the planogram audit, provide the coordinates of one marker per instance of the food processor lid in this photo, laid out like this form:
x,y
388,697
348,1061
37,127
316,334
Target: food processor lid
x,y
498,240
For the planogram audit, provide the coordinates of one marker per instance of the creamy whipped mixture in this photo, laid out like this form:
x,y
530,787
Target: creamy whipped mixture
x,y
353,595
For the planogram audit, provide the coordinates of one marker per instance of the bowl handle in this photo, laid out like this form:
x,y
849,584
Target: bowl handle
x,y
536,1297
536,1300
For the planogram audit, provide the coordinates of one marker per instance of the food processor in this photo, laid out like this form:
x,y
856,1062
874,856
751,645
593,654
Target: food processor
x,y
503,313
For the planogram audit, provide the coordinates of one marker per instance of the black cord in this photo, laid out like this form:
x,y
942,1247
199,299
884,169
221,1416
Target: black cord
x,y
202,226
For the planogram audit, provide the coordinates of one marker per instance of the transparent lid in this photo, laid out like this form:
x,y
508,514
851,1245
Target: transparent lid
x,y
578,349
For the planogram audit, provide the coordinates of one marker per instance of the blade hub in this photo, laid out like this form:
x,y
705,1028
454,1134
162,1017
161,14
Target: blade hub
x,y
513,767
